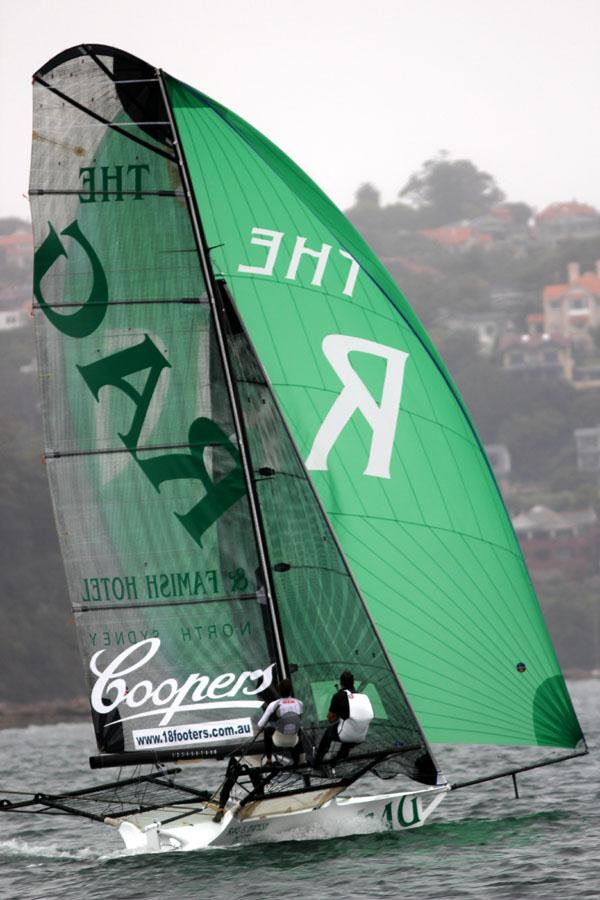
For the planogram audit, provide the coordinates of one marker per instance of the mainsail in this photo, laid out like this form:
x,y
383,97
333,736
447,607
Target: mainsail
x,y
200,562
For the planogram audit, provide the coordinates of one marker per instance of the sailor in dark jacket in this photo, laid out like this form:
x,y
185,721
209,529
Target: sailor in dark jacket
x,y
350,715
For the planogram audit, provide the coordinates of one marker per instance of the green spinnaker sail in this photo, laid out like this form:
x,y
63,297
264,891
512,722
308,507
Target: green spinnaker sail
x,y
390,447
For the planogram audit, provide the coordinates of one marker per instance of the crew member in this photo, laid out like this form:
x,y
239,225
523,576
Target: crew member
x,y
350,715
281,723
236,768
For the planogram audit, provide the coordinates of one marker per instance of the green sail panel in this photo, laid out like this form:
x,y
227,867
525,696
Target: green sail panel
x,y
386,438
324,623
145,471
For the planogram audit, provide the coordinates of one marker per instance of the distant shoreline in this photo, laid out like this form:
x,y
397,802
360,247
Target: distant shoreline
x,y
21,715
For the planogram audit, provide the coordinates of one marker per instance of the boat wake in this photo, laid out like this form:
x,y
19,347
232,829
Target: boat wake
x,y
14,847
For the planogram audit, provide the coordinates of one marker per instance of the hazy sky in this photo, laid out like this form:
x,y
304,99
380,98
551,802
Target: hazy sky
x,y
354,91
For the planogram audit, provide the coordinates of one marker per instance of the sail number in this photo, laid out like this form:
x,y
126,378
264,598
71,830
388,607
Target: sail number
x,y
403,813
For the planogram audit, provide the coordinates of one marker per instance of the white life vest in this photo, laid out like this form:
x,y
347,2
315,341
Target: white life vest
x,y
354,729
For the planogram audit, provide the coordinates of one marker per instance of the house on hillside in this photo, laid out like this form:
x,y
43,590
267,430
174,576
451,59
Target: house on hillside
x,y
567,220
558,545
499,459
486,326
498,223
536,356
400,264
13,318
457,238
17,248
505,299
587,442
572,310
503,225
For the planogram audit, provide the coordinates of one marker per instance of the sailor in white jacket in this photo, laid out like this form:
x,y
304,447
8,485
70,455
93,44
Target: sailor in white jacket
x,y
281,723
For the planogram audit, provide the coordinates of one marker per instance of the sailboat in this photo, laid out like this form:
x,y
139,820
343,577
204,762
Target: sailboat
x,y
260,469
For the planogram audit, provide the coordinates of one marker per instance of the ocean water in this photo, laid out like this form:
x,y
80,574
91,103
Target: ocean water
x,y
480,843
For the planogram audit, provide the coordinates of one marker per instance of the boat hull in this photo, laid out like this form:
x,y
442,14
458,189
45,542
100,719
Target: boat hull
x,y
338,817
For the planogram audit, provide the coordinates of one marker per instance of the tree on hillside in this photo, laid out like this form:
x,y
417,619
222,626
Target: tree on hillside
x,y
520,212
447,190
380,225
367,197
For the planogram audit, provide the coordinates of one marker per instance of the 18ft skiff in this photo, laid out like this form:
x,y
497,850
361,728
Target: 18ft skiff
x,y
260,468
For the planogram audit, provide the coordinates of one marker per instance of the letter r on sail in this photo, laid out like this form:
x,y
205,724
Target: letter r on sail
x,y
355,397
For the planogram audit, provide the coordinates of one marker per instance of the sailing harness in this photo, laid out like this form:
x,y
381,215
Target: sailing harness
x,y
288,723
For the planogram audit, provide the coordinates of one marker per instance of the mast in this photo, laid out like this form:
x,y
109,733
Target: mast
x,y
334,539
212,291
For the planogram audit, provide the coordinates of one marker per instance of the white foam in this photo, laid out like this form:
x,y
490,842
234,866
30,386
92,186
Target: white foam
x,y
16,847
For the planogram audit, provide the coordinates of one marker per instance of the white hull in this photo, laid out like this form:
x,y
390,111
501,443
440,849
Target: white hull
x,y
150,832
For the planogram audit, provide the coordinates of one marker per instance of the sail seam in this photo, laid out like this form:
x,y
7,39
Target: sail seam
x,y
460,702
467,438
410,523
506,606
527,610
463,699
428,578
348,301
452,622
436,562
